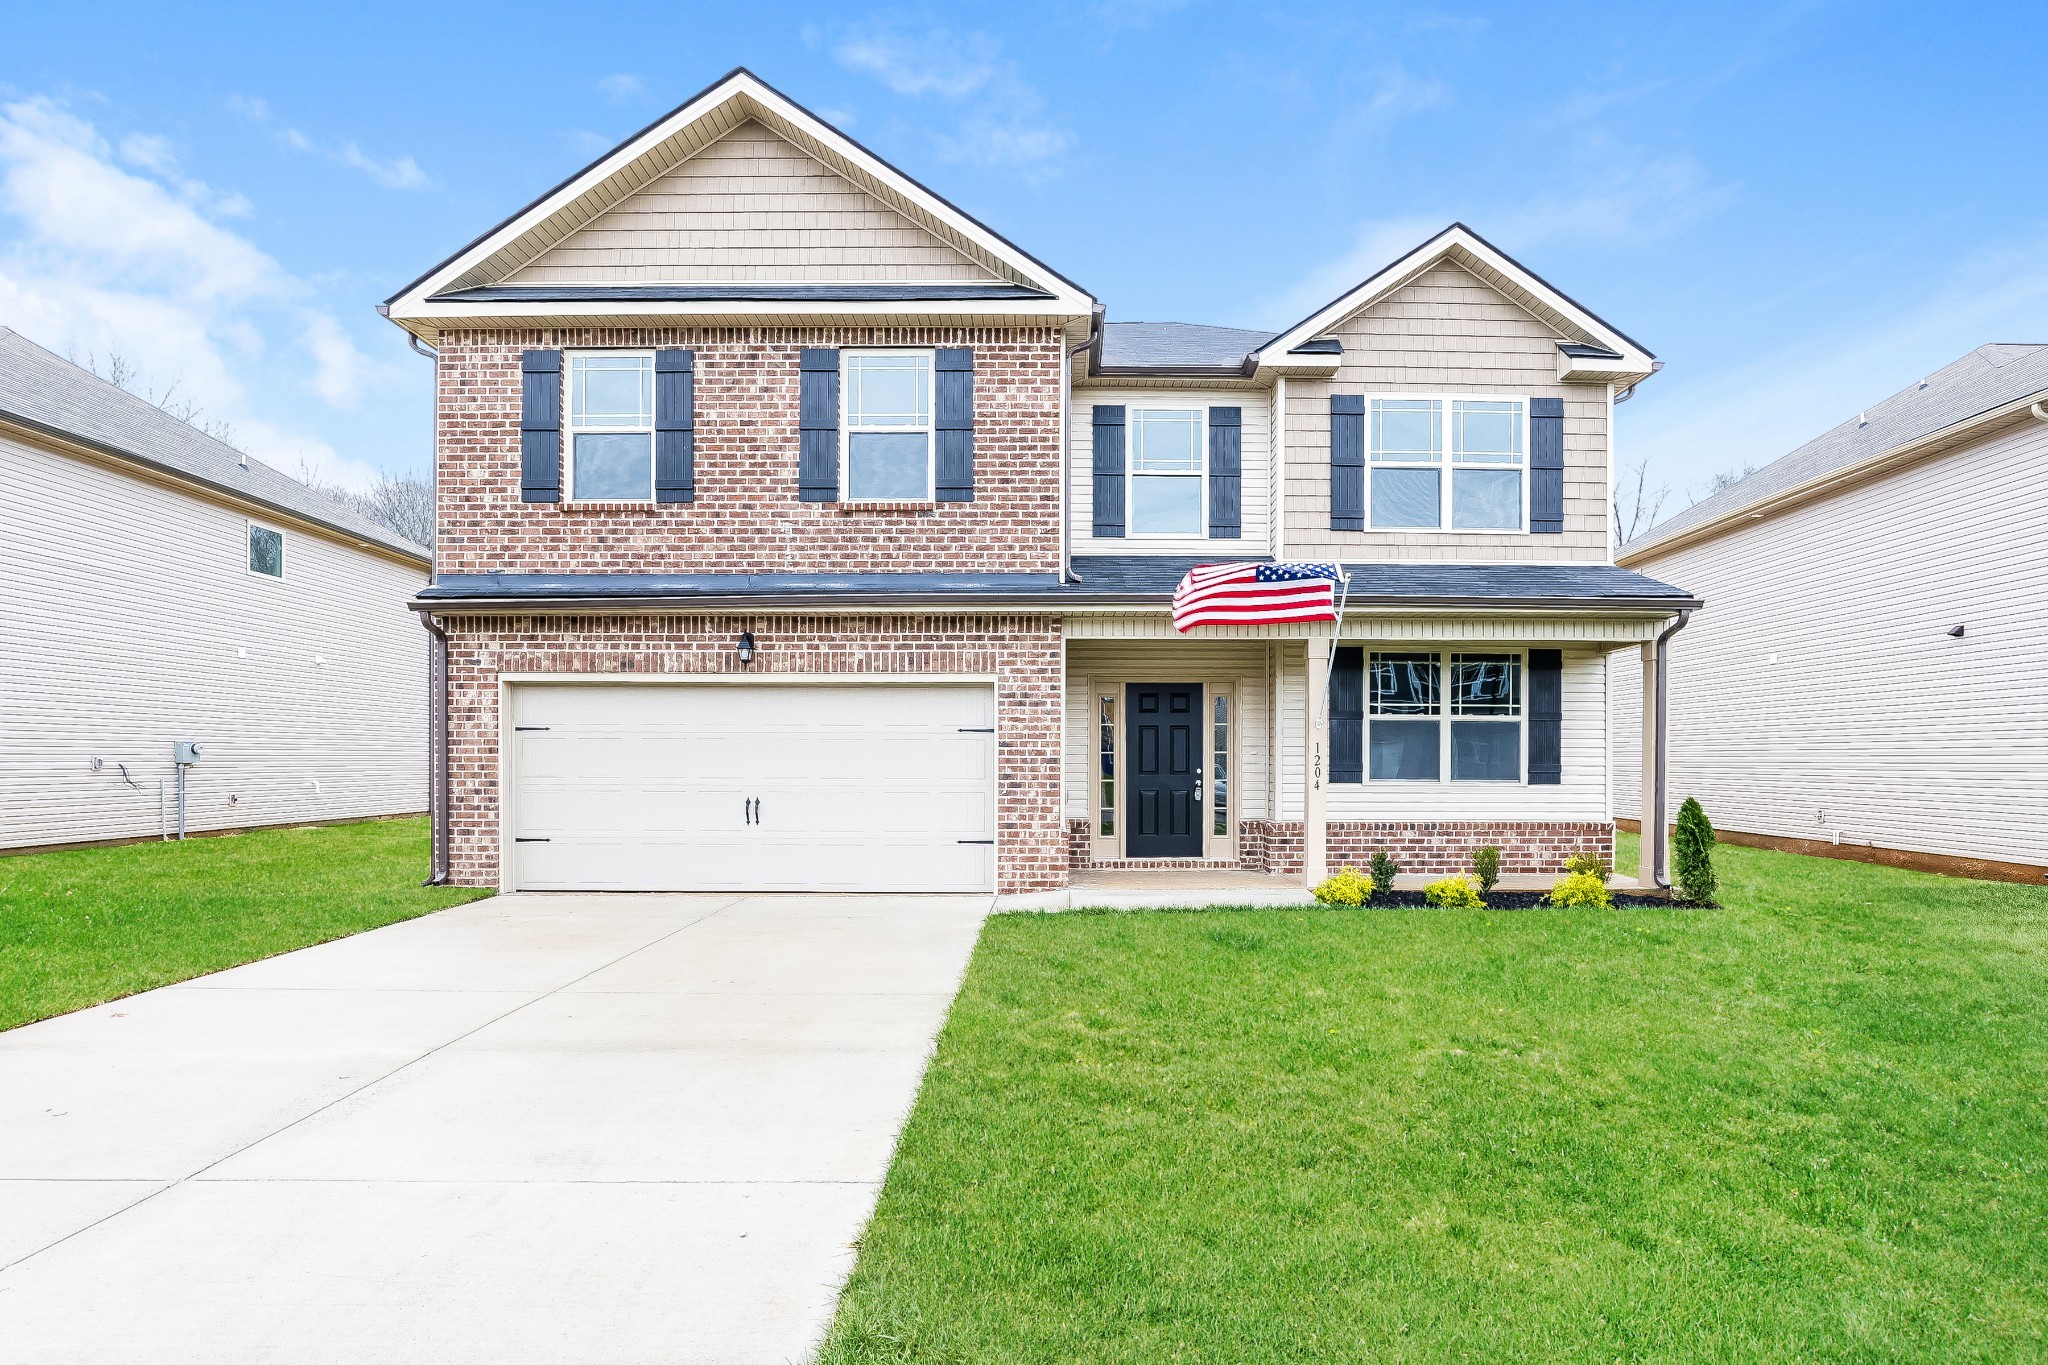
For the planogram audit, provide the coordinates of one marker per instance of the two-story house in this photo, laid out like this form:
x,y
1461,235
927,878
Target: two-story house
x,y
798,531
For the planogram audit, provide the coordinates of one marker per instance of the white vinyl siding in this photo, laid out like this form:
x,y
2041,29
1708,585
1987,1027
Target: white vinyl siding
x,y
749,207
1255,480
133,622
1823,698
1449,334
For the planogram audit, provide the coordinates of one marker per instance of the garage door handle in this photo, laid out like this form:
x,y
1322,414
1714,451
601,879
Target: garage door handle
x,y
518,840
530,727
974,841
977,729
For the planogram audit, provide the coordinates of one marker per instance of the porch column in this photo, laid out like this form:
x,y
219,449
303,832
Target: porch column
x,y
1315,768
1652,812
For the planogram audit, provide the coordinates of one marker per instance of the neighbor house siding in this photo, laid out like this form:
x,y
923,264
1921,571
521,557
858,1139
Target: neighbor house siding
x,y
133,623
1818,695
746,517
749,207
1255,484
1447,332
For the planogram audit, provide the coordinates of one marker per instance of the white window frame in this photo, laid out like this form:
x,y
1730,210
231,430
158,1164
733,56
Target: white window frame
x,y
929,430
1200,473
570,429
1447,466
283,558
1444,716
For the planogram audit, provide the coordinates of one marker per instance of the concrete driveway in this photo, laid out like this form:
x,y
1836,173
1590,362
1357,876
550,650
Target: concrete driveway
x,y
560,1128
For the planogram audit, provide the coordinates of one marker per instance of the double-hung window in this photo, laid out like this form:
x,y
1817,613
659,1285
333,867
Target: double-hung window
x,y
887,425
611,426
1448,463
1166,472
1406,736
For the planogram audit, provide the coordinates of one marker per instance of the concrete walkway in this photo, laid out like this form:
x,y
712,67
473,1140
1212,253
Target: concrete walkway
x,y
559,1129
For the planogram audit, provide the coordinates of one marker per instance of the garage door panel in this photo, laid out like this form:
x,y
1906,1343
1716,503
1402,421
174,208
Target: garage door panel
x,y
656,787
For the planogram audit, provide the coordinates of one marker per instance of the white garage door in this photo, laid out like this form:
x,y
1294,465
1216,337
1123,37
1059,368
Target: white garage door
x,y
764,786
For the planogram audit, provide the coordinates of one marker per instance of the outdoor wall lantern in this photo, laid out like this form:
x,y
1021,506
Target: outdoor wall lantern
x,y
746,647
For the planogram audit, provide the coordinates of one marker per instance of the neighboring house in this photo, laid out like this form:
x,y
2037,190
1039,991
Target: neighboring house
x,y
163,588
1870,682
799,531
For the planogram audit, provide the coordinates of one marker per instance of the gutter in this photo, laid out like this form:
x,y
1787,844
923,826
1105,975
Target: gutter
x,y
437,746
1660,859
1023,603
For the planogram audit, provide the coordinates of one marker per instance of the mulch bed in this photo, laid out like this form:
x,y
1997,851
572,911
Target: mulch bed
x,y
1513,900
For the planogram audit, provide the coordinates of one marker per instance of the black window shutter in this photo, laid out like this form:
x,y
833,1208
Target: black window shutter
x,y
675,426
817,461
1347,714
540,426
1109,470
1546,717
1347,463
1226,473
1546,467
953,421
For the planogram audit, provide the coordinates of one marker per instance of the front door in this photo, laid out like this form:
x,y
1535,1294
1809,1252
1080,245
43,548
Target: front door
x,y
1164,751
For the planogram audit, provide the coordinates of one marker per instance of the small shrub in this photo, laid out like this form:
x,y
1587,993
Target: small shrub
x,y
1384,870
1348,887
1486,867
1453,893
1587,863
1692,854
1581,891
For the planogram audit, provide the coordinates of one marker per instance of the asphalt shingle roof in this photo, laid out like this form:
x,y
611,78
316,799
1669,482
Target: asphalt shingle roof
x,y
1178,343
39,388
1987,378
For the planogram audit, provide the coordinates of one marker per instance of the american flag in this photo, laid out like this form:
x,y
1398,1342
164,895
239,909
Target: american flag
x,y
1255,594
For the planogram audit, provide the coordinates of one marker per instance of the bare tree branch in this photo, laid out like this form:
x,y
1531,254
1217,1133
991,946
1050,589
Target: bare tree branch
x,y
124,375
402,504
1719,483
1636,502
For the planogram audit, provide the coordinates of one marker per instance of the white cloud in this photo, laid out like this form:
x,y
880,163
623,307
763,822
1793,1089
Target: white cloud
x,y
393,173
1691,425
1379,243
622,88
1003,122
1131,14
107,251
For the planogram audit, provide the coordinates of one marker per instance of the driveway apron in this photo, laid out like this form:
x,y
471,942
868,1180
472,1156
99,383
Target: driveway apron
x,y
536,1128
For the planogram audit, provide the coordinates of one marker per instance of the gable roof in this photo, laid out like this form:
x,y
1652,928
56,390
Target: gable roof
x,y
1993,383
464,284
44,393
1630,362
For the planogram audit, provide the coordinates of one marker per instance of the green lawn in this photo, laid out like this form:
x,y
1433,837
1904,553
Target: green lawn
x,y
93,924
1810,1126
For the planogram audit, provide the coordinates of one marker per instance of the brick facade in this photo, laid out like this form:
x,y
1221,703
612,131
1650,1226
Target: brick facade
x,y
1022,653
746,517
1441,847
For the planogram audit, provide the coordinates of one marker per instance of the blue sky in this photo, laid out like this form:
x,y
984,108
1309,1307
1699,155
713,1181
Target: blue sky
x,y
1801,208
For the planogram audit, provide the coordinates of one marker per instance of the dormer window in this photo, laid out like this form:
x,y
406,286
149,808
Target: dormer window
x,y
611,426
1480,486
887,426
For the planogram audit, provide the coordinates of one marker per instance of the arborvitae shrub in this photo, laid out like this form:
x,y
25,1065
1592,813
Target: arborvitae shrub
x,y
1486,867
1692,854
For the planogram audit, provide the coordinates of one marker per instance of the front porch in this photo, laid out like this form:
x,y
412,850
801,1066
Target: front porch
x,y
1217,766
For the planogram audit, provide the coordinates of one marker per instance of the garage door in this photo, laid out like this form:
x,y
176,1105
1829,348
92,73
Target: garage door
x,y
768,786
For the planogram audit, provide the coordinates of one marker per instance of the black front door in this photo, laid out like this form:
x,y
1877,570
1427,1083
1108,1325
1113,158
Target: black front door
x,y
1163,751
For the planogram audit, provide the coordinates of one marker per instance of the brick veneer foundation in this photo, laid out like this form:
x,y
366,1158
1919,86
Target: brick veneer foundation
x,y
1022,653
1440,847
746,517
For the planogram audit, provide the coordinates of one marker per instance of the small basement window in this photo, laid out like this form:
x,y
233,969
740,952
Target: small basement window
x,y
266,551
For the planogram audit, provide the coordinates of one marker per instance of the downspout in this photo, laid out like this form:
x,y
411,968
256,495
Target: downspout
x,y
1660,850
437,676
1067,442
437,749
